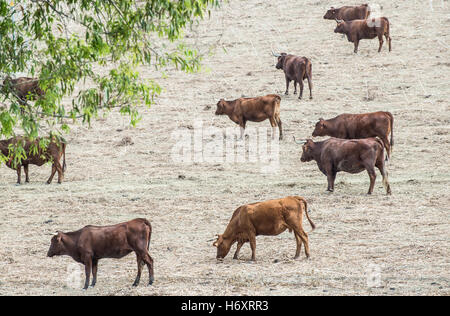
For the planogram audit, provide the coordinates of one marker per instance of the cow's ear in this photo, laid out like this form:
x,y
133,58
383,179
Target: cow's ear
x,y
321,119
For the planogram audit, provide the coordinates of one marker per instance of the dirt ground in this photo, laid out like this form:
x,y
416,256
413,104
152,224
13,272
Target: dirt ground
x,y
363,245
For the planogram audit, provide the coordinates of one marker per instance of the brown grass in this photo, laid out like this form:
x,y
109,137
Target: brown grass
x,y
406,235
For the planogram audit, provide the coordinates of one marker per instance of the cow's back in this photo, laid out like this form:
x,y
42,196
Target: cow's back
x,y
105,241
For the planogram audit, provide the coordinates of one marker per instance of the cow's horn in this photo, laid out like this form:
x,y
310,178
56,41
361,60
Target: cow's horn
x,y
339,21
275,55
300,142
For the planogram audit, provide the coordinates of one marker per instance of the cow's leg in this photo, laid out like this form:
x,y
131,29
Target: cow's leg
x,y
380,39
52,175
140,264
372,175
242,125
331,177
299,245
87,270
305,240
60,172
19,174
356,41
27,178
149,262
381,166
295,86
94,272
238,248
388,40
279,126
301,89
387,146
273,123
310,87
252,238
287,86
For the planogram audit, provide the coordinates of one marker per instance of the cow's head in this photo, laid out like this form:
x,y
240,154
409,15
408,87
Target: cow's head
x,y
340,27
331,14
280,62
220,107
223,246
321,128
57,247
307,151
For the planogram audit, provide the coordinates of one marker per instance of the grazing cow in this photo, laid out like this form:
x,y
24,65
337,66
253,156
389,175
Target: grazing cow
x,y
253,109
268,218
365,29
24,88
356,126
348,13
92,243
35,155
353,156
295,69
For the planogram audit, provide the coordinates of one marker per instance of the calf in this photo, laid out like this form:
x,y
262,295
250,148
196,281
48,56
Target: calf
x,y
268,218
365,29
92,243
34,155
356,126
24,88
348,13
253,109
295,69
353,156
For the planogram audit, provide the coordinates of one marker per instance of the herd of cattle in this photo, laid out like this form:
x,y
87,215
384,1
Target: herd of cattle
x,y
358,142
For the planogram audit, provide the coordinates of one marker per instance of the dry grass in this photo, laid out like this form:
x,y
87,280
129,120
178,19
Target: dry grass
x,y
406,235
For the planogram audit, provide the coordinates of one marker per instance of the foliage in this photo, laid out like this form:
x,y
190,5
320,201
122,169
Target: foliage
x,y
90,51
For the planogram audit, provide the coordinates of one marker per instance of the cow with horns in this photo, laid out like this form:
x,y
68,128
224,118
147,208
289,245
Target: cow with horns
x,y
348,155
295,69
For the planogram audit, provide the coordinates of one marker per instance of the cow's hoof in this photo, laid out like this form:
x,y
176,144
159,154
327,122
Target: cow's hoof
x,y
150,282
310,98
135,284
286,93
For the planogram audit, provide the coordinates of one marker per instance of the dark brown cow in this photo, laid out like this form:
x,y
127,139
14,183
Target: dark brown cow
x,y
268,218
365,29
35,156
92,243
348,13
24,88
253,109
295,69
353,156
356,126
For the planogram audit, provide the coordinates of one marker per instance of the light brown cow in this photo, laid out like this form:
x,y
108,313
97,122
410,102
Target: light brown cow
x,y
253,109
268,218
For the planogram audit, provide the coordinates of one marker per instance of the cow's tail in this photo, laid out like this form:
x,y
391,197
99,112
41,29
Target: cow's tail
x,y
147,223
277,104
383,169
383,152
392,128
302,200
